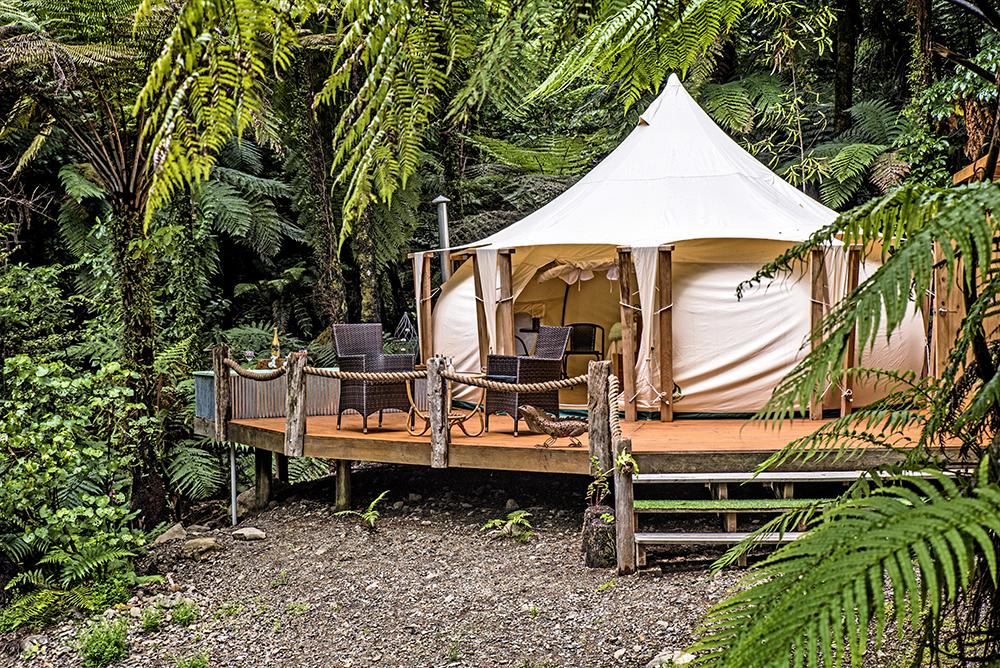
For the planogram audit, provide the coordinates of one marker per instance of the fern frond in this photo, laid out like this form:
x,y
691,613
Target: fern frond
x,y
196,472
796,604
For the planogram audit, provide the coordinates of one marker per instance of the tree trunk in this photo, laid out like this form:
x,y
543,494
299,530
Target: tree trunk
x,y
599,537
924,56
189,319
364,255
848,17
134,274
323,229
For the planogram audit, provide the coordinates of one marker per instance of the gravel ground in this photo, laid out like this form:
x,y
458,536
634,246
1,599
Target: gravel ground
x,y
428,588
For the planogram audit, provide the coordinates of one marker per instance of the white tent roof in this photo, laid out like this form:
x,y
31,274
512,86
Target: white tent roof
x,y
677,176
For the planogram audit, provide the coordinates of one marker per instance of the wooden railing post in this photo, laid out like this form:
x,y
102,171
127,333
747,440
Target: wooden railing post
x,y
295,405
665,345
817,272
223,392
628,337
437,408
624,513
505,304
846,395
599,414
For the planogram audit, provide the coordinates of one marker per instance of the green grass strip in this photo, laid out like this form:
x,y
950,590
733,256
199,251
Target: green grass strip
x,y
723,504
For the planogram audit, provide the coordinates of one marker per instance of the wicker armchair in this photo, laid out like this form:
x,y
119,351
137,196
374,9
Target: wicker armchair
x,y
543,365
359,348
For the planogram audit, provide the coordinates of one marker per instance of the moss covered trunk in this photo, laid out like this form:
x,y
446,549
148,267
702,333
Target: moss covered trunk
x,y
368,280
134,277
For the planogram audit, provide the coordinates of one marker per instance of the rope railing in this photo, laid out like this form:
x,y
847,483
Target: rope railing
x,y
390,376
514,387
253,375
613,391
393,376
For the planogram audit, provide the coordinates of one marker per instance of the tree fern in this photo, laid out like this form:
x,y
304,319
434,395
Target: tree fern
x,y
195,472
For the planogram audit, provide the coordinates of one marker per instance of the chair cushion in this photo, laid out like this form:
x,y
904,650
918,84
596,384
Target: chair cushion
x,y
503,379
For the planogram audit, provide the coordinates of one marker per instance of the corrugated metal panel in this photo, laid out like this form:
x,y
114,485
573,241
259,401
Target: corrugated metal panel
x,y
264,399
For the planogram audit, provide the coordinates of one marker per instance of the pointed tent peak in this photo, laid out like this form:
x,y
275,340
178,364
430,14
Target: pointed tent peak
x,y
673,88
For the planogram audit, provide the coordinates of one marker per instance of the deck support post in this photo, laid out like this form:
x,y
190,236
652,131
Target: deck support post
x,y
599,414
343,490
817,271
438,408
263,469
665,345
624,513
853,270
505,304
223,411
295,405
628,337
484,337
281,463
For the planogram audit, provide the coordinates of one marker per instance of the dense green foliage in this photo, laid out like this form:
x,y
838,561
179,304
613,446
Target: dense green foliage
x,y
104,644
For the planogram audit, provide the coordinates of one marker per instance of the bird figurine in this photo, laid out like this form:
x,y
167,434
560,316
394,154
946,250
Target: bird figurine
x,y
540,422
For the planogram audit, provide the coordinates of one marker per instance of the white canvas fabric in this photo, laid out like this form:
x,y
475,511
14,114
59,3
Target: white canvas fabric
x,y
676,179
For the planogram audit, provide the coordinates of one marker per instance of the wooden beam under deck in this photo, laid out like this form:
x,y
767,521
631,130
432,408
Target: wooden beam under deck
x,y
683,446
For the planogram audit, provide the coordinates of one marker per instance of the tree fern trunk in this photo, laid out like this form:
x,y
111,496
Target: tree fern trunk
x,y
364,254
848,17
329,296
134,275
188,284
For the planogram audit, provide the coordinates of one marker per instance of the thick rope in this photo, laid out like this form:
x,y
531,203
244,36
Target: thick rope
x,y
252,375
393,376
514,387
616,427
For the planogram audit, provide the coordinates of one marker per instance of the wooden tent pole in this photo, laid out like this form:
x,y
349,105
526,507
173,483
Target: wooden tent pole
x,y
846,395
505,305
484,336
665,345
628,338
817,272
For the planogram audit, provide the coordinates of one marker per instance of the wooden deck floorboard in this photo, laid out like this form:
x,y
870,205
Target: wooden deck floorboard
x,y
658,447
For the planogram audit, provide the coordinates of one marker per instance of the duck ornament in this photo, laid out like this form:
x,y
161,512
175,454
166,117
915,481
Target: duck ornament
x,y
540,422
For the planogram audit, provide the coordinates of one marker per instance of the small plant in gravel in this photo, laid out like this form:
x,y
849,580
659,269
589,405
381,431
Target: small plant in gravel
x,y
297,608
195,661
227,610
454,652
515,527
604,587
151,620
280,582
533,610
184,614
369,515
103,644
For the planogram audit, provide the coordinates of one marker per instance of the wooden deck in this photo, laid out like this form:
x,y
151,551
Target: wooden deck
x,y
658,447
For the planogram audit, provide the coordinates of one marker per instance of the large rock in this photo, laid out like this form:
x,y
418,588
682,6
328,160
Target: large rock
x,y
199,549
176,532
249,533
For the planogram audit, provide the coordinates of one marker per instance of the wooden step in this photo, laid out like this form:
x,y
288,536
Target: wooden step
x,y
765,477
768,476
721,505
710,538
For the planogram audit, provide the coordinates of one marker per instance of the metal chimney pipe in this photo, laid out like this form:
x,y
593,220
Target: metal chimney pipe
x,y
443,242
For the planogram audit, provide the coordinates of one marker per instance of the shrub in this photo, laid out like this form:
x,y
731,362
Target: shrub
x,y
64,512
196,661
103,644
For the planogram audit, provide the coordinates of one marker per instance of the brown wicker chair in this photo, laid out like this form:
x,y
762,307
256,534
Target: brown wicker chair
x,y
359,348
543,365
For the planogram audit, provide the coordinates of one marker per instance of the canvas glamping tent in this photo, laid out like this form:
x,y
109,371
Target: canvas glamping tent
x,y
676,179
